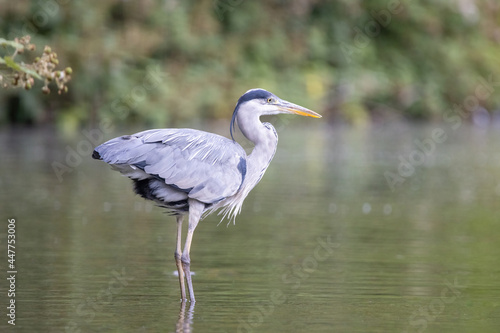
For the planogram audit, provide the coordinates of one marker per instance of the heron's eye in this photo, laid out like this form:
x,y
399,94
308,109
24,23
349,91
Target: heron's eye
x,y
269,100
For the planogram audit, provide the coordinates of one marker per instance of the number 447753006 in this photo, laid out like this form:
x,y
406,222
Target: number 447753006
x,y
11,240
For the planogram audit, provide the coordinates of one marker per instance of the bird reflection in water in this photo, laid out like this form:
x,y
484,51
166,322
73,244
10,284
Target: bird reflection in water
x,y
185,321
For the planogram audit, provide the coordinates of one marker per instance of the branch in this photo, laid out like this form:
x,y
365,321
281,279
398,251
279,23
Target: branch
x,y
24,75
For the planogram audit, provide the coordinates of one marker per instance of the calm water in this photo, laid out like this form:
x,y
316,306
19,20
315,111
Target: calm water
x,y
324,244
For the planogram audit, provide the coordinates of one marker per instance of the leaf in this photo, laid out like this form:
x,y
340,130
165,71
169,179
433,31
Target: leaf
x,y
5,42
19,68
12,64
31,72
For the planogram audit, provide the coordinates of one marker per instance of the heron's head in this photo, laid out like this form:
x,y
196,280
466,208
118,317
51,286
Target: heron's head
x,y
261,103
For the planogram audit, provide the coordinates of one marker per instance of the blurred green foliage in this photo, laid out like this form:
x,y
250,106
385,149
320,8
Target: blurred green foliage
x,y
163,62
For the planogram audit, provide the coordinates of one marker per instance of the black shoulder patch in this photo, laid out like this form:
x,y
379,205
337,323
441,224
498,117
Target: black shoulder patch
x,y
242,168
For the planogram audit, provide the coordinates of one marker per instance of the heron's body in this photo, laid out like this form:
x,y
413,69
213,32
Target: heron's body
x,y
196,172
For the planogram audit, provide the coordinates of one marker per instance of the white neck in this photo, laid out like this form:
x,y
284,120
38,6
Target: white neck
x,y
265,139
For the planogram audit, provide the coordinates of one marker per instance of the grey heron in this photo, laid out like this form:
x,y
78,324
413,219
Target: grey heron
x,y
193,172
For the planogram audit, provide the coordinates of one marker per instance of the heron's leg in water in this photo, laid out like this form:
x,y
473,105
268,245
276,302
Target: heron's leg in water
x,y
195,210
177,256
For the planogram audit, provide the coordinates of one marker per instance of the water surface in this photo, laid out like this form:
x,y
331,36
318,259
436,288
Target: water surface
x,y
324,243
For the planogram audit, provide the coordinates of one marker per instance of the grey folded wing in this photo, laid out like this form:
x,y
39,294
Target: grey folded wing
x,y
193,164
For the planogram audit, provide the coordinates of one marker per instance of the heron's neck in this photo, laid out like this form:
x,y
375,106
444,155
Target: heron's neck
x,y
265,140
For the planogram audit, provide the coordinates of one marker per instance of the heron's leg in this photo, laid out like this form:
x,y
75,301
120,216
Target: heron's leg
x,y
177,256
195,210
